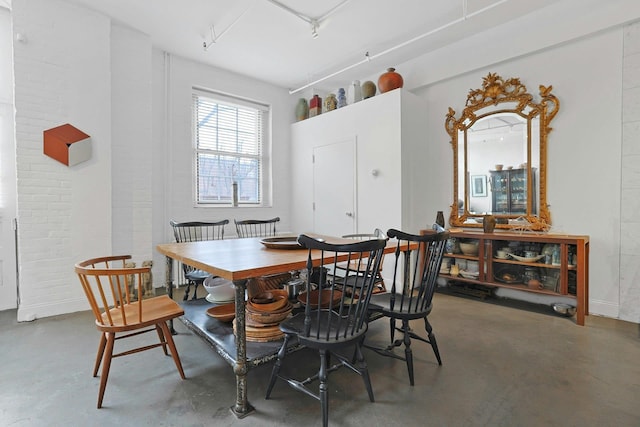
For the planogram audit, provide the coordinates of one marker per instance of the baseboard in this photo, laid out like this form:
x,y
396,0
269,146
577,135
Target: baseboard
x,y
604,308
29,312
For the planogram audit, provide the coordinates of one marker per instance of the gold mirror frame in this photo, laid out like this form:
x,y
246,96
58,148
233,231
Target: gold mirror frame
x,y
496,96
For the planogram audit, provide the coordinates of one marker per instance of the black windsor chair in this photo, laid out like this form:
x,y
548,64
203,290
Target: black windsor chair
x,y
341,267
417,265
196,231
256,227
331,320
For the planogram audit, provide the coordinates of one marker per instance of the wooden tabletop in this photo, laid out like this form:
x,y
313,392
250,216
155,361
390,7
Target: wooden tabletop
x,y
237,259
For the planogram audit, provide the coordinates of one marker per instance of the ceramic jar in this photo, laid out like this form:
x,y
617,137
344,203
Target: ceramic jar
x,y
330,102
315,106
302,109
354,94
489,223
440,219
342,98
390,81
452,246
368,89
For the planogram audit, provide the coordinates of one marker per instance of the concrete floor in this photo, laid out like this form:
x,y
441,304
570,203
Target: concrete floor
x,y
501,367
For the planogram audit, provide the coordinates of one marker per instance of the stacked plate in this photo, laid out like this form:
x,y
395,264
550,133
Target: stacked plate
x,y
213,300
260,332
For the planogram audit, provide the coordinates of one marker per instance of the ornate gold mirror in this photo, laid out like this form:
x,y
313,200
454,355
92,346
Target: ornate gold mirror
x,y
499,155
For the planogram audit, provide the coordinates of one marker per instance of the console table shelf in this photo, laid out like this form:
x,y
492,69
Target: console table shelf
x,y
568,276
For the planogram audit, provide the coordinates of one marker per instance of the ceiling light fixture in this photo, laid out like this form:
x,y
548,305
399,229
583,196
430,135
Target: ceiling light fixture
x,y
315,22
401,45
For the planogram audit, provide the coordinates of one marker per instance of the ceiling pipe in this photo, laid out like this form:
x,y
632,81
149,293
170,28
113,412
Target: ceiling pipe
x,y
215,38
401,45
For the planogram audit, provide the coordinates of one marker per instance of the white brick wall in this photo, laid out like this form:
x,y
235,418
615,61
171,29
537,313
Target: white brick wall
x,y
62,75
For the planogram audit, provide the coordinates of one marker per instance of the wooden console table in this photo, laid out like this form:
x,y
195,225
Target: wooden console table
x,y
566,277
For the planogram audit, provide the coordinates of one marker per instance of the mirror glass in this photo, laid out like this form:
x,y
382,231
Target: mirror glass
x,y
499,147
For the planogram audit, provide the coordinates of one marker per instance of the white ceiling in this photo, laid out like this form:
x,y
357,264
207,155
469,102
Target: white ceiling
x,y
259,39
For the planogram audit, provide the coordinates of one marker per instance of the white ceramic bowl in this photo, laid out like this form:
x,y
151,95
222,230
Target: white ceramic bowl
x,y
220,289
469,248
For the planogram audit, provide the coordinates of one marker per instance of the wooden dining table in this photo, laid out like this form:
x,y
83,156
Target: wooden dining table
x,y
239,260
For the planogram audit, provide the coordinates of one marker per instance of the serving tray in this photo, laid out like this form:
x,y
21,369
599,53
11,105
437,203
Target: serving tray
x,y
284,242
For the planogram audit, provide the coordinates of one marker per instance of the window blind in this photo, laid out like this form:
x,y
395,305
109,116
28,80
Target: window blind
x,y
229,136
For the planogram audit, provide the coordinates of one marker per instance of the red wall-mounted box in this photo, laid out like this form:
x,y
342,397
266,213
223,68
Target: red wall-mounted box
x,y
67,144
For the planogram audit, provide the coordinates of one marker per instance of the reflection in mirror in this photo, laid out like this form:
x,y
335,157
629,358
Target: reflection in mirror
x,y
499,145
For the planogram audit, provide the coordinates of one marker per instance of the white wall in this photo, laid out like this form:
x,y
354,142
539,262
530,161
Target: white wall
x,y
8,293
584,152
630,195
173,79
132,143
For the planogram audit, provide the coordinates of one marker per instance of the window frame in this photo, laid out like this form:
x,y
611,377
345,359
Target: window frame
x,y
263,156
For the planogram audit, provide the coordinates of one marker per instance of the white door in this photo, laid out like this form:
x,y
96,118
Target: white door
x,y
334,188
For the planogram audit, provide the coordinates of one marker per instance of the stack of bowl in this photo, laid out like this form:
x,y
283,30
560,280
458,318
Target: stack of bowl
x,y
264,313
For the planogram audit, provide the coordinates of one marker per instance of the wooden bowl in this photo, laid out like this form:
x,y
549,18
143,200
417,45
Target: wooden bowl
x,y
268,318
224,312
325,295
268,301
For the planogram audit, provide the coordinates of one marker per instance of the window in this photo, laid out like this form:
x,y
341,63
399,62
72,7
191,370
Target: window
x,y
230,136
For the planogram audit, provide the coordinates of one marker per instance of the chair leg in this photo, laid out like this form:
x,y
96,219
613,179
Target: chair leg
x,y
276,367
172,347
432,340
162,340
104,376
324,395
408,353
101,346
186,291
392,327
364,370
195,291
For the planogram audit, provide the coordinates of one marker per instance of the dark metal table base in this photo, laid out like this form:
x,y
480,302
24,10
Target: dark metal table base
x,y
220,337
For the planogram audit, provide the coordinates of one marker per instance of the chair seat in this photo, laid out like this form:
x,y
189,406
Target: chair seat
x,y
161,308
295,326
381,303
354,266
197,275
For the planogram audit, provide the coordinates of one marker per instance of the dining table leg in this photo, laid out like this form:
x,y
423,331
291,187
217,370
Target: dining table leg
x,y
242,407
168,280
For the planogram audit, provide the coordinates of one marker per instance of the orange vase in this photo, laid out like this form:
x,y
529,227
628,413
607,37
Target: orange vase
x,y
390,81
